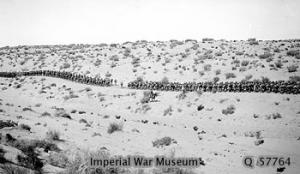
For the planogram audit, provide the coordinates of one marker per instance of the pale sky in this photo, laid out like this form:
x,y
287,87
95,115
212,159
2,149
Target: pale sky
x,y
32,22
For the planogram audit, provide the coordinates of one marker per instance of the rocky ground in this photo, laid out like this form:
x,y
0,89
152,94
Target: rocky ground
x,y
54,125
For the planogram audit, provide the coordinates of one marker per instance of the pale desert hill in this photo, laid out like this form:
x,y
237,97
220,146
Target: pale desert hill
x,y
73,119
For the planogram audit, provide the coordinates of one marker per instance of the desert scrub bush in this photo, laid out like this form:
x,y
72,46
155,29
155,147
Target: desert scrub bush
x,y
201,73
108,75
65,66
182,95
165,141
71,95
145,108
97,62
245,63
207,39
114,58
248,77
265,79
218,71
277,50
79,162
101,99
58,159
146,97
273,116
168,111
229,110
293,52
269,59
278,64
218,53
292,68
135,62
216,79
112,65
239,53
113,127
230,75
60,112
207,67
139,79
242,69
276,115
82,120
53,135
236,62
265,55
25,127
252,41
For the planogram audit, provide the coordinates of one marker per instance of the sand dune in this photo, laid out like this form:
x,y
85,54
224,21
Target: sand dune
x,y
63,120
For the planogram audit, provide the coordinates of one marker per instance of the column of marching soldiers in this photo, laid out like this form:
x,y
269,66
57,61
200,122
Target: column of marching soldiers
x,y
283,87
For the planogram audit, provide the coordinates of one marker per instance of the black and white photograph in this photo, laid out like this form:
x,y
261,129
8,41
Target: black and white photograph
x,y
149,86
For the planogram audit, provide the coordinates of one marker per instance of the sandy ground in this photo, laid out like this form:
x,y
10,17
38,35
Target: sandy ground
x,y
220,140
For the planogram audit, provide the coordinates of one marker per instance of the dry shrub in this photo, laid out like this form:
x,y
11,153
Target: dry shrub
x,y
165,141
146,98
292,68
229,110
168,111
293,52
265,55
244,62
230,75
53,135
79,162
207,67
113,127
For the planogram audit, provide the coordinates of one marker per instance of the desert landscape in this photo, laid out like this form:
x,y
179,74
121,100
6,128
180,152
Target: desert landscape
x,y
54,125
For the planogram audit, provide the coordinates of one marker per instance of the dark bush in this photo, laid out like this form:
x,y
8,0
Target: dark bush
x,y
293,52
113,127
292,68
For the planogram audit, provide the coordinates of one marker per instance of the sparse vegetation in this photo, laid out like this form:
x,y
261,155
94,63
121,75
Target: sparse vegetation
x,y
229,110
165,141
25,127
207,67
182,95
230,75
245,63
218,71
53,135
265,55
292,68
293,52
168,111
113,127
